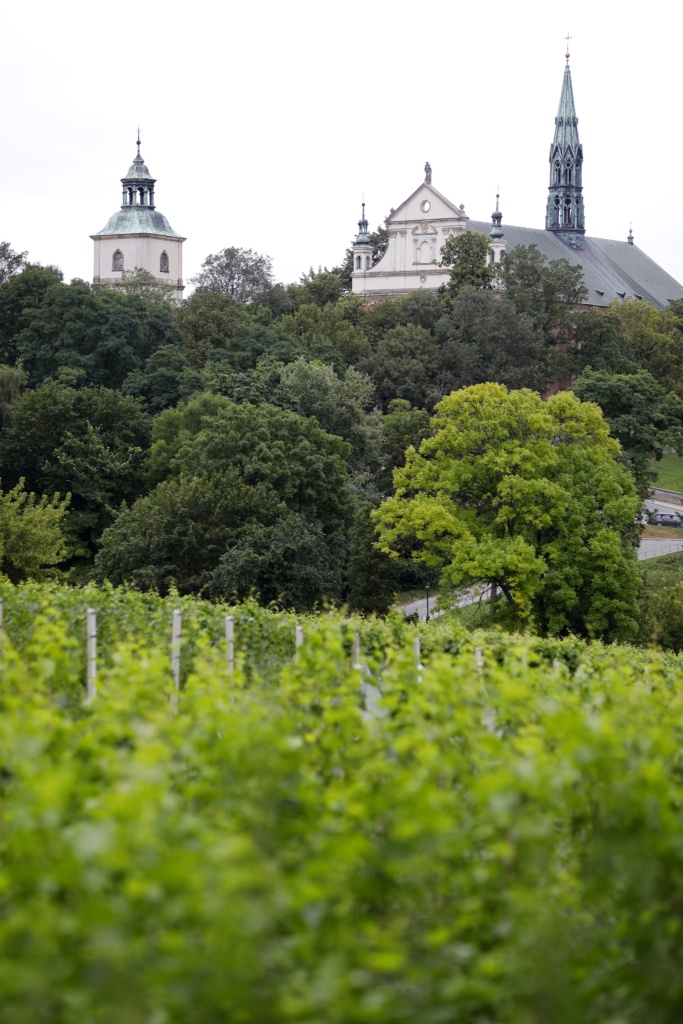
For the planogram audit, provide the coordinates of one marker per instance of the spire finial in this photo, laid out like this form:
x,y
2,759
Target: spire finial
x,y
138,142
496,218
567,37
630,233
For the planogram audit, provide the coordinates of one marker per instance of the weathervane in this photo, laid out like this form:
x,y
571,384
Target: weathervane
x,y
567,37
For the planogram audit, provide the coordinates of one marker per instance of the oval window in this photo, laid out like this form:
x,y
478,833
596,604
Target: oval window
x,y
425,206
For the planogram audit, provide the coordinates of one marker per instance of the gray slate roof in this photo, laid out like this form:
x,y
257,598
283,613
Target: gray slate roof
x,y
137,220
611,270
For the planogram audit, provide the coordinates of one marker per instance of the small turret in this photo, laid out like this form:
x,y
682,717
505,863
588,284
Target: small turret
x,y
362,248
497,244
138,184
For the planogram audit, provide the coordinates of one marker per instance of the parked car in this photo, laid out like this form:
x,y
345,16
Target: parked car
x,y
666,519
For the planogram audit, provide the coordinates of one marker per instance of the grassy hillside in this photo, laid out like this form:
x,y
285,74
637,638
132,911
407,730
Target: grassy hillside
x,y
669,472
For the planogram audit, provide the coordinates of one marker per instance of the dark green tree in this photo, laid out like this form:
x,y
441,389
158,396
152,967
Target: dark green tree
x,y
655,339
303,465
13,380
402,427
640,414
207,321
544,289
340,403
327,333
20,297
89,442
406,363
244,275
372,574
176,534
468,257
103,333
11,262
484,338
166,379
600,342
290,563
318,287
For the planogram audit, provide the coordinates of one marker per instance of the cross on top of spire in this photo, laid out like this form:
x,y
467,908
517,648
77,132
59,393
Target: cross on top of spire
x,y
567,38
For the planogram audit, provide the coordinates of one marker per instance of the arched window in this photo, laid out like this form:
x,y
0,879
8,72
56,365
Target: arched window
x,y
117,260
163,262
358,262
425,252
367,262
557,172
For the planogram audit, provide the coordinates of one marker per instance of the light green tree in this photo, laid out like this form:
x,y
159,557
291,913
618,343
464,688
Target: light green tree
x,y
32,540
525,495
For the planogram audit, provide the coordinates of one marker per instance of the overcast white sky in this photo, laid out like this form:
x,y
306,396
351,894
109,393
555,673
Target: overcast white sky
x,y
265,123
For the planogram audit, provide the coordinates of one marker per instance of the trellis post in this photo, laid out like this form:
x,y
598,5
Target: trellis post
x,y
91,653
175,654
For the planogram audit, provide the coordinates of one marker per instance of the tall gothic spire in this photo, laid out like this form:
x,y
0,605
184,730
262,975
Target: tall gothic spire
x,y
564,212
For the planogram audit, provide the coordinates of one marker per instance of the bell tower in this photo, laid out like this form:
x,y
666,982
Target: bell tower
x,y
564,212
139,236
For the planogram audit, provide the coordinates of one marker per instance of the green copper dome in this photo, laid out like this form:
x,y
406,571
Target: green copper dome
x,y
138,215
137,220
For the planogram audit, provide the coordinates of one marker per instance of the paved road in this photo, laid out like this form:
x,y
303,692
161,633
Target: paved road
x,y
421,606
653,505
650,547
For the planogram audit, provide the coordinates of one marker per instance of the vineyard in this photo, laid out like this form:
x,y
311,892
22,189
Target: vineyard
x,y
475,828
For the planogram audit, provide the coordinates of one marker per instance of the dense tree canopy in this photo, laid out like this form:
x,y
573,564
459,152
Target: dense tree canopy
x,y
176,534
103,334
639,413
544,289
120,396
243,275
20,297
90,442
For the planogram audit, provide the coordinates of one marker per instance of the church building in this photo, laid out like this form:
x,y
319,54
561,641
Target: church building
x,y
419,227
138,235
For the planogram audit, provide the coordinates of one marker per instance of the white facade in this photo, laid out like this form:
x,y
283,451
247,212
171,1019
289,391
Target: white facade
x,y
417,231
128,252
